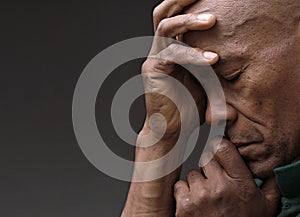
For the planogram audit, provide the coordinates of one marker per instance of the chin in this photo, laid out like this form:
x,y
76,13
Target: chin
x,y
262,166
263,170
261,173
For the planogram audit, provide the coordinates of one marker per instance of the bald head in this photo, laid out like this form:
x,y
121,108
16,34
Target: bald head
x,y
246,24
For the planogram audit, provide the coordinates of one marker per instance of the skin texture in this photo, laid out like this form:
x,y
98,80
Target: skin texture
x,y
263,102
258,65
155,198
226,188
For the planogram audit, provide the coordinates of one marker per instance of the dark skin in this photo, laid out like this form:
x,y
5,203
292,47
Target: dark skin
x,y
155,198
260,56
258,137
227,189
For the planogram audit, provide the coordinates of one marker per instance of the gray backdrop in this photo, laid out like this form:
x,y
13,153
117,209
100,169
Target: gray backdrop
x,y
44,47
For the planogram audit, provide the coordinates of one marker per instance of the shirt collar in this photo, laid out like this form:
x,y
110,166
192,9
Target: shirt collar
x,y
288,179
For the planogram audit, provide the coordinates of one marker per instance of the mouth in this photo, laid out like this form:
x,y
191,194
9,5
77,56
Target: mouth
x,y
239,143
248,150
242,144
250,146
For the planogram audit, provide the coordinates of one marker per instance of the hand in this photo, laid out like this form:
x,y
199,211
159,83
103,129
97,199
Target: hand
x,y
155,68
154,198
227,190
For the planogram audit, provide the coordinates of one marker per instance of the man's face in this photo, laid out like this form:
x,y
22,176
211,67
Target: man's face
x,y
259,70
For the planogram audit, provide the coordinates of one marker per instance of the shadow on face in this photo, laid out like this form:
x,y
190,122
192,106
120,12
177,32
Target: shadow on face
x,y
260,41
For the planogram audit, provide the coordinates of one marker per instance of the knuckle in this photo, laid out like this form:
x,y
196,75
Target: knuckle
x,y
224,149
188,52
195,53
180,190
202,195
145,67
193,173
162,25
162,63
159,65
219,194
189,18
166,56
179,184
172,48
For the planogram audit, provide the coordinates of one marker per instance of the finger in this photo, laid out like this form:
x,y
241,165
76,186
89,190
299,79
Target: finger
x,y
181,194
230,159
171,27
169,8
195,179
180,54
181,189
211,168
272,193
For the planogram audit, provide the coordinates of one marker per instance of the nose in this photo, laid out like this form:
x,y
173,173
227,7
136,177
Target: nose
x,y
220,116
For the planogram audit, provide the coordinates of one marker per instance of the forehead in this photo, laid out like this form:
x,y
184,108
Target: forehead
x,y
242,26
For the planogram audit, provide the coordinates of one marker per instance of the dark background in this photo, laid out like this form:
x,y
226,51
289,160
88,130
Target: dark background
x,y
45,45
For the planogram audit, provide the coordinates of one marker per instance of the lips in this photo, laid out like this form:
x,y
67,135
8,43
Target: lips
x,y
241,144
250,150
244,137
248,142
244,149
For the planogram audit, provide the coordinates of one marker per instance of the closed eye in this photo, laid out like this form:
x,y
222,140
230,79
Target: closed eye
x,y
234,75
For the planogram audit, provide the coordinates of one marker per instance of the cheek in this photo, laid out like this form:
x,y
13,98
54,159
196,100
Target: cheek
x,y
254,94
269,95
269,89
259,86
276,153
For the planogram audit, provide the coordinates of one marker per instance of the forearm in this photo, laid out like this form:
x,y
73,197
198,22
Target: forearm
x,y
152,198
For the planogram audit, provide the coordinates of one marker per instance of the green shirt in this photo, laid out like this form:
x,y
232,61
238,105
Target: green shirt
x,y
288,179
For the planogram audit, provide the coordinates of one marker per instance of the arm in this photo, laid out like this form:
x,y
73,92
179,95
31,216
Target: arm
x,y
155,197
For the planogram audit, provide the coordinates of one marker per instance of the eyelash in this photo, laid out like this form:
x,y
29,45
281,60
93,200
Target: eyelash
x,y
235,76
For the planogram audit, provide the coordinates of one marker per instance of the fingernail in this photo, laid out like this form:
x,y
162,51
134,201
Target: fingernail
x,y
210,55
204,17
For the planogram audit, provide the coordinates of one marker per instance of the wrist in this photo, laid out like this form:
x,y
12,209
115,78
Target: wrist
x,y
148,194
153,198
157,160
